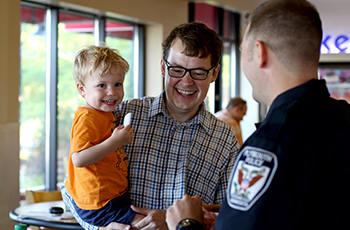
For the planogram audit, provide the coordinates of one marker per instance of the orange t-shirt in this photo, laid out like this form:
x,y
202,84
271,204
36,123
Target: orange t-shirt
x,y
93,186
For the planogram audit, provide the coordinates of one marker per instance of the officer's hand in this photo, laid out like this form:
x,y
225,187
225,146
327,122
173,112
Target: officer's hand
x,y
187,207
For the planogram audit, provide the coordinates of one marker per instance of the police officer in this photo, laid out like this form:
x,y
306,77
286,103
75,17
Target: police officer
x,y
292,173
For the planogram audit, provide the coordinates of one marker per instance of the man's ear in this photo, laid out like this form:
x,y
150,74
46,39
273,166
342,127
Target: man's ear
x,y
215,73
236,109
81,89
162,67
261,53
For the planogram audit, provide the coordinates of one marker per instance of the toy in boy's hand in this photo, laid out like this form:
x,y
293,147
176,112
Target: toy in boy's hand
x,y
127,119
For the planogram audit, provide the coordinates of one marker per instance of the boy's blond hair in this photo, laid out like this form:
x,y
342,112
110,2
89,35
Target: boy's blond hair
x,y
88,59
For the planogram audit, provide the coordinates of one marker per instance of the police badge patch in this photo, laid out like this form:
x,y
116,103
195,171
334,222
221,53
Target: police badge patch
x,y
251,176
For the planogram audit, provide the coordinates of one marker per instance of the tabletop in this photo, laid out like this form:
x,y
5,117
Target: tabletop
x,y
38,215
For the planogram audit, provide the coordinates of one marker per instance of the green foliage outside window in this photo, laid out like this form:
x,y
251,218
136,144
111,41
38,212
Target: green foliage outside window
x,y
32,107
32,97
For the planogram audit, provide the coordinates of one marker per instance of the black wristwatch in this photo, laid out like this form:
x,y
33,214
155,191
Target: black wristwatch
x,y
189,224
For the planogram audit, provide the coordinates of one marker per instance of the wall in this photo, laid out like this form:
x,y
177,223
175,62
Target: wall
x,y
9,126
235,5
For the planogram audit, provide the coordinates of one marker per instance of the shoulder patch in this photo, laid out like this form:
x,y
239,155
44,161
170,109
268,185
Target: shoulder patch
x,y
251,176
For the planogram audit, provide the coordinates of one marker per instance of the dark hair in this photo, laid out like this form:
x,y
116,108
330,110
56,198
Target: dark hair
x,y
236,101
199,41
292,29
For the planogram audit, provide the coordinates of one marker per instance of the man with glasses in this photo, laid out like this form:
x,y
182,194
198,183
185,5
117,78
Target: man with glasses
x,y
179,147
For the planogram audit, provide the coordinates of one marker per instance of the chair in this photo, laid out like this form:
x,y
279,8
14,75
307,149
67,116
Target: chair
x,y
42,196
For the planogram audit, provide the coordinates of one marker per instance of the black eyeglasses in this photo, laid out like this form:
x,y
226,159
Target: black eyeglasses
x,y
179,72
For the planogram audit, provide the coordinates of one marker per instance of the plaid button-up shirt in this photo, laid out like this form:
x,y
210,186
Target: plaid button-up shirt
x,y
168,160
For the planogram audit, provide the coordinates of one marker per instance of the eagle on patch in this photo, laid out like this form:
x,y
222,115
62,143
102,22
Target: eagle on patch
x,y
248,179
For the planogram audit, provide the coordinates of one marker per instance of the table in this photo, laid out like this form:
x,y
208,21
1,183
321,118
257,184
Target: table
x,y
38,215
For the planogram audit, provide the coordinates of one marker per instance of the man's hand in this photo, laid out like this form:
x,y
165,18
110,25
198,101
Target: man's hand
x,y
154,219
187,207
115,226
211,212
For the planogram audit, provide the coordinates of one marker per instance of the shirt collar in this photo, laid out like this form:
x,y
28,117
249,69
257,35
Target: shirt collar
x,y
158,107
203,118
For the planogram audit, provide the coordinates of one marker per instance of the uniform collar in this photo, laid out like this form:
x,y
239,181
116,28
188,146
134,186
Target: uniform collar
x,y
311,89
278,111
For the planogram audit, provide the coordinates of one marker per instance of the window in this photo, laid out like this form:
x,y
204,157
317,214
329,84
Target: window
x,y
226,24
50,37
32,97
120,35
226,74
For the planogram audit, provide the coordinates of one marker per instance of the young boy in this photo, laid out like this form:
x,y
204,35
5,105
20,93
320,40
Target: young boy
x,y
97,171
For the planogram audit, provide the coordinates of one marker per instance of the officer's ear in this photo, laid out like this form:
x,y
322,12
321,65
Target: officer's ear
x,y
236,109
261,54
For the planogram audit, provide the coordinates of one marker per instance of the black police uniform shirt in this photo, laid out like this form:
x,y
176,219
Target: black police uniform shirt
x,y
293,172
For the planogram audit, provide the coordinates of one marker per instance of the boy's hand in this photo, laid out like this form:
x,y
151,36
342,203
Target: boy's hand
x,y
122,135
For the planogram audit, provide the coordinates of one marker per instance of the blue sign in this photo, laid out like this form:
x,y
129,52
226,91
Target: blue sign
x,y
333,44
